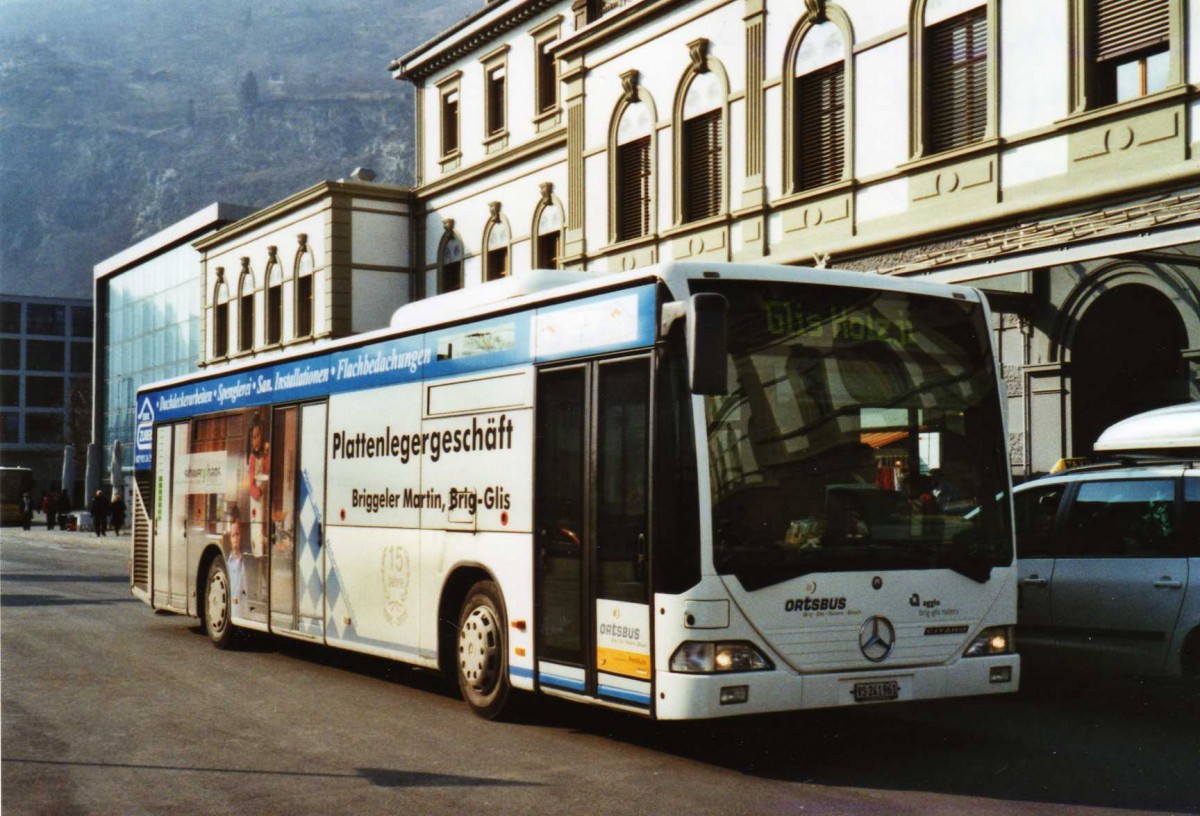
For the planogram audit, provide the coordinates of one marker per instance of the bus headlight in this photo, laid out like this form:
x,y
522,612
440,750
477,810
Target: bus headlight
x,y
995,640
707,657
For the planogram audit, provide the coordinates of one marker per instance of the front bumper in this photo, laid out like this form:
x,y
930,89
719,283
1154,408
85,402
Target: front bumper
x,y
695,697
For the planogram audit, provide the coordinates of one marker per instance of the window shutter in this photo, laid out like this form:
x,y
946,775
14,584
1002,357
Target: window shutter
x,y
547,250
702,166
958,62
633,189
1125,26
449,123
495,101
497,263
451,276
820,127
547,79
221,330
246,322
274,314
304,306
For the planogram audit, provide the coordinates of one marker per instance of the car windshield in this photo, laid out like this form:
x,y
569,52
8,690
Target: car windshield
x,y
861,431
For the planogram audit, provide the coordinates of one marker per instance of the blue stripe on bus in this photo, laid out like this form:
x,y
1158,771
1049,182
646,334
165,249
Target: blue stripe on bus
x,y
493,343
554,680
520,671
624,694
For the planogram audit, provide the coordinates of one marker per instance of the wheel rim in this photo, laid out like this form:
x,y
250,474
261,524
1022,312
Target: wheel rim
x,y
218,606
478,650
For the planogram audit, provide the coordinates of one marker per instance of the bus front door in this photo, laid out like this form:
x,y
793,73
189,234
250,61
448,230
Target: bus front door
x,y
593,526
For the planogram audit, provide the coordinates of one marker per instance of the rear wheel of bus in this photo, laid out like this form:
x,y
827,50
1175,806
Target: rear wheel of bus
x,y
218,608
482,655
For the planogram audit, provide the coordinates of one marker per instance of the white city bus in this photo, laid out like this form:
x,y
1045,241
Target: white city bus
x,y
687,491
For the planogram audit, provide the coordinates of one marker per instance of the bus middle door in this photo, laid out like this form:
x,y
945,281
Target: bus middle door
x,y
593,526
296,521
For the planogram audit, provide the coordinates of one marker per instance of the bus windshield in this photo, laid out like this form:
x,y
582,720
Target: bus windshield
x,y
861,431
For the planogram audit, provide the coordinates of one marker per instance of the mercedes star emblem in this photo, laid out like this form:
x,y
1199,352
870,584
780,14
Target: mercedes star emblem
x,y
876,638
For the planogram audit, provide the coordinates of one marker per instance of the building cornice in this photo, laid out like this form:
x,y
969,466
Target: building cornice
x,y
612,25
494,164
1051,229
462,39
318,192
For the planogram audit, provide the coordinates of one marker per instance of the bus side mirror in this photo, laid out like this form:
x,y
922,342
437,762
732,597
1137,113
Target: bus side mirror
x,y
706,330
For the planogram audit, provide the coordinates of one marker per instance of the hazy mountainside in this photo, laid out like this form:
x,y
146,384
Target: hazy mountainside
x,y
118,118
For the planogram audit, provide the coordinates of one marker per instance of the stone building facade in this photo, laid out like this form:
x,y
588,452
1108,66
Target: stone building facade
x,y
327,262
1043,151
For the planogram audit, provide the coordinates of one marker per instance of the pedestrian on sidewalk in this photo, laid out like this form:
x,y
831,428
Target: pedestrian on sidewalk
x,y
48,509
26,511
64,508
116,513
99,510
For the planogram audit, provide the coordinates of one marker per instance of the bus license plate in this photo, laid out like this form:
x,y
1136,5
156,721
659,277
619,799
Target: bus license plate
x,y
878,691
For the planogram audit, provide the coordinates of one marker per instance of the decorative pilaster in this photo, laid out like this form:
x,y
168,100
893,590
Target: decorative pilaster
x,y
753,228
575,246
419,135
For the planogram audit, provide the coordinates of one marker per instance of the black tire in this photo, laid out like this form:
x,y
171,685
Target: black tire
x,y
481,655
218,606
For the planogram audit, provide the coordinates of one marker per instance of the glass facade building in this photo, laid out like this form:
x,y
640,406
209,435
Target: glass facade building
x,y
149,301
152,333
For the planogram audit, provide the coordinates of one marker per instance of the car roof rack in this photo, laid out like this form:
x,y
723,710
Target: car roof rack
x,y
1170,431
1114,462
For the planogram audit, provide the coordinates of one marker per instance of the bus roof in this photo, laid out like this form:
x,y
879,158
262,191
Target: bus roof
x,y
527,288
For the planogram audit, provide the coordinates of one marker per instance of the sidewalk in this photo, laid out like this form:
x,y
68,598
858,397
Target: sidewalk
x,y
67,538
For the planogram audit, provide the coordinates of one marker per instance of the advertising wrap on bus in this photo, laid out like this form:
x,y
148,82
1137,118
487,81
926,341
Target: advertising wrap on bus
x,y
388,467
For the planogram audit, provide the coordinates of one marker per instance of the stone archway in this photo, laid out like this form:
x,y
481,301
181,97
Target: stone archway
x,y
1126,357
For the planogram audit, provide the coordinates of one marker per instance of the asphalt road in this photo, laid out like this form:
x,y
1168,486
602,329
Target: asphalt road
x,y
110,708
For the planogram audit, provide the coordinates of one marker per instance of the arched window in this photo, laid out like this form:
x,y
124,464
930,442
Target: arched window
x,y
701,143
450,262
547,233
632,171
819,108
246,308
305,289
495,241
220,329
274,277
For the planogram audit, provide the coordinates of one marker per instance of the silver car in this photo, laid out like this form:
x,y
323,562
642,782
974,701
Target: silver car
x,y
1109,570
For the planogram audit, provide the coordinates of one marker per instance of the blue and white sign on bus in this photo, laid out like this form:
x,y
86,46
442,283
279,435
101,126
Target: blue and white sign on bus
x,y
143,444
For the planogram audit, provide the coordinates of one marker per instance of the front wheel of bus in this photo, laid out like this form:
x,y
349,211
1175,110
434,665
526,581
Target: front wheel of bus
x,y
217,606
482,652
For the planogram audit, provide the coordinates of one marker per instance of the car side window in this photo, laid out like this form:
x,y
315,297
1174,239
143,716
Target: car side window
x,y
1190,527
1036,510
1133,518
